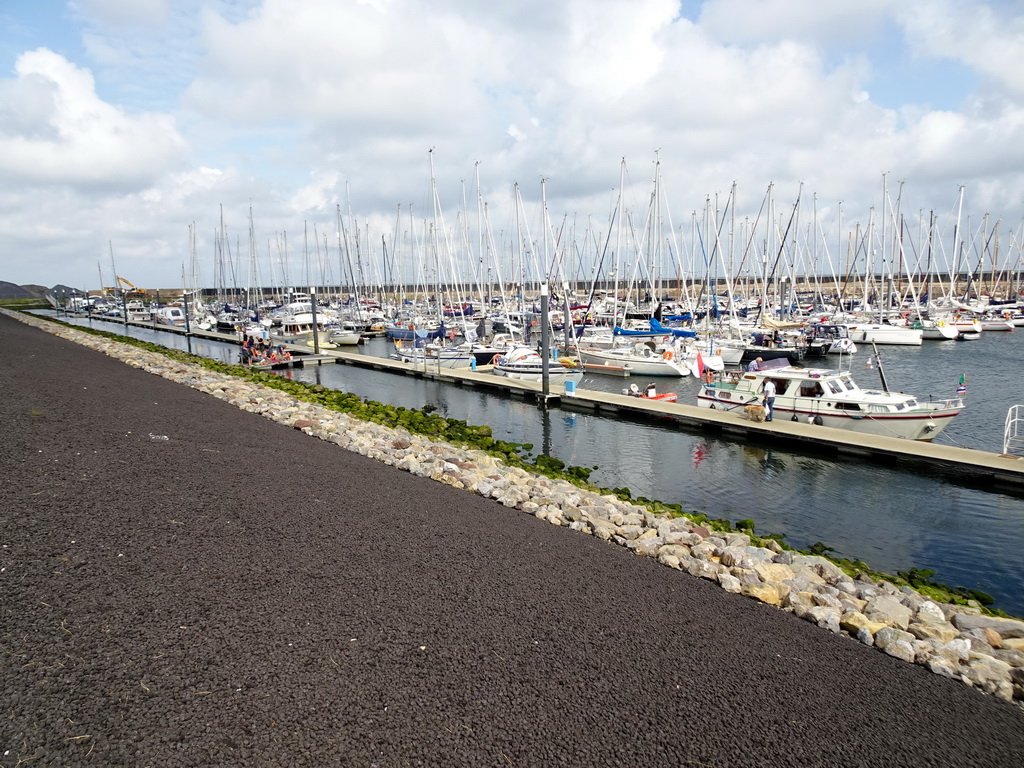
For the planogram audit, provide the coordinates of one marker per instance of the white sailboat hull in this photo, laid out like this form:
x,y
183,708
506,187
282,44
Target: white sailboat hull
x,y
886,334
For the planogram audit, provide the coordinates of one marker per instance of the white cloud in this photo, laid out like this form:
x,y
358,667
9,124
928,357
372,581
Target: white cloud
x,y
296,107
988,38
54,130
319,194
808,21
126,12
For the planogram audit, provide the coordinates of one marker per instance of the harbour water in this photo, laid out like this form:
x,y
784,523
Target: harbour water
x,y
892,519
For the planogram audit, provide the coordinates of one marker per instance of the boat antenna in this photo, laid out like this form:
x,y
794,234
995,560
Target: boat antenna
x,y
878,363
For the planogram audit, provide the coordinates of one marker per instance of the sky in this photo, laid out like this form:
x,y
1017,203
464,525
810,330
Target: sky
x,y
215,143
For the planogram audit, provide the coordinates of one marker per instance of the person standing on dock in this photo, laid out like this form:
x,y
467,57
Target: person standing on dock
x,y
769,399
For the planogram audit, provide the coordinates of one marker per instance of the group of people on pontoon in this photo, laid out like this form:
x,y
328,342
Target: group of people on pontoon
x,y
262,352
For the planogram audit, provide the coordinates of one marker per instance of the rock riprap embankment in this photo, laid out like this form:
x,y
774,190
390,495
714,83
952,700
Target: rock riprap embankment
x,y
951,640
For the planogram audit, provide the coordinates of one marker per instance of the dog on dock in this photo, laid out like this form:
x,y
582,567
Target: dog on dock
x,y
755,412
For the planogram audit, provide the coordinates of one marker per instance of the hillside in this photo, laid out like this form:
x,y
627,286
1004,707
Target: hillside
x,y
12,291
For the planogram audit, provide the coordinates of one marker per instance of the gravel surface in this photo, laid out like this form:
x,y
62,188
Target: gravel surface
x,y
186,584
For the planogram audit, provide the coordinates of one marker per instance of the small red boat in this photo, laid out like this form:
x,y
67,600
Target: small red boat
x,y
650,393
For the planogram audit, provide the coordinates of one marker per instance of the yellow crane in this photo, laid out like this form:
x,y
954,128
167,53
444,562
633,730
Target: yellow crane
x,y
125,287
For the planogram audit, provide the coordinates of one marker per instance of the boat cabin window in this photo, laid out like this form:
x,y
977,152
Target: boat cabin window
x,y
847,406
811,389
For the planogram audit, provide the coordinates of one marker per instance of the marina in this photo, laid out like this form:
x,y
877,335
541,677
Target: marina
x,y
894,515
879,443
520,384
496,583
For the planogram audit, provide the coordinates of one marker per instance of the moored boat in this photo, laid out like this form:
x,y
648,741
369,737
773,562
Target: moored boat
x,y
883,333
996,323
172,315
833,399
966,324
650,393
526,365
136,311
828,339
641,360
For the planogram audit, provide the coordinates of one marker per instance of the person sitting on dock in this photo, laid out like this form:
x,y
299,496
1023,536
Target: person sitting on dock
x,y
754,364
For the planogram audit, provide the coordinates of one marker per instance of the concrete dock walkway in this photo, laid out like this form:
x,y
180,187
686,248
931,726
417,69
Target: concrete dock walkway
x,y
186,584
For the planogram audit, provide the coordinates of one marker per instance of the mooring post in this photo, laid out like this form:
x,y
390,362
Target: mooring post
x,y
545,351
316,330
184,300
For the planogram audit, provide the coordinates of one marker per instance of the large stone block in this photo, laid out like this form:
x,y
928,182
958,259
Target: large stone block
x,y
765,592
890,610
1007,628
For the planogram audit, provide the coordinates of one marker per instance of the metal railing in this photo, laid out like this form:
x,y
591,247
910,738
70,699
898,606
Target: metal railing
x,y
1013,433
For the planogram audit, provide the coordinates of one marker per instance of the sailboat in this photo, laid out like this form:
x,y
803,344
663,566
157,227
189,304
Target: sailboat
x,y
525,364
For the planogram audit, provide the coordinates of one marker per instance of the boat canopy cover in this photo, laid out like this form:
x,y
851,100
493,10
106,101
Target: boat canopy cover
x,y
677,332
423,336
769,322
773,363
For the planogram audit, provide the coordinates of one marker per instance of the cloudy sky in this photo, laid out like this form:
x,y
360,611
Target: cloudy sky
x,y
141,133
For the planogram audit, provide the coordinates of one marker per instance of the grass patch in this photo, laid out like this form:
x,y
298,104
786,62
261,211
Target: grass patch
x,y
23,305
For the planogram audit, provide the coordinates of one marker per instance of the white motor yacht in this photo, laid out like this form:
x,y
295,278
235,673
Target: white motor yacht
x,y
833,399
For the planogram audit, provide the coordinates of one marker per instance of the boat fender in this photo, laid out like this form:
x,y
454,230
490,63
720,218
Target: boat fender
x,y
709,376
667,355
718,353
818,420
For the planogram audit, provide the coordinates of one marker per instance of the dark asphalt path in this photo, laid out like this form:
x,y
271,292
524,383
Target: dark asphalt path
x,y
185,584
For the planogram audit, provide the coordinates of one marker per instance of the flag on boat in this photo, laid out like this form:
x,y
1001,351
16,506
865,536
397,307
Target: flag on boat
x,y
962,388
699,370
